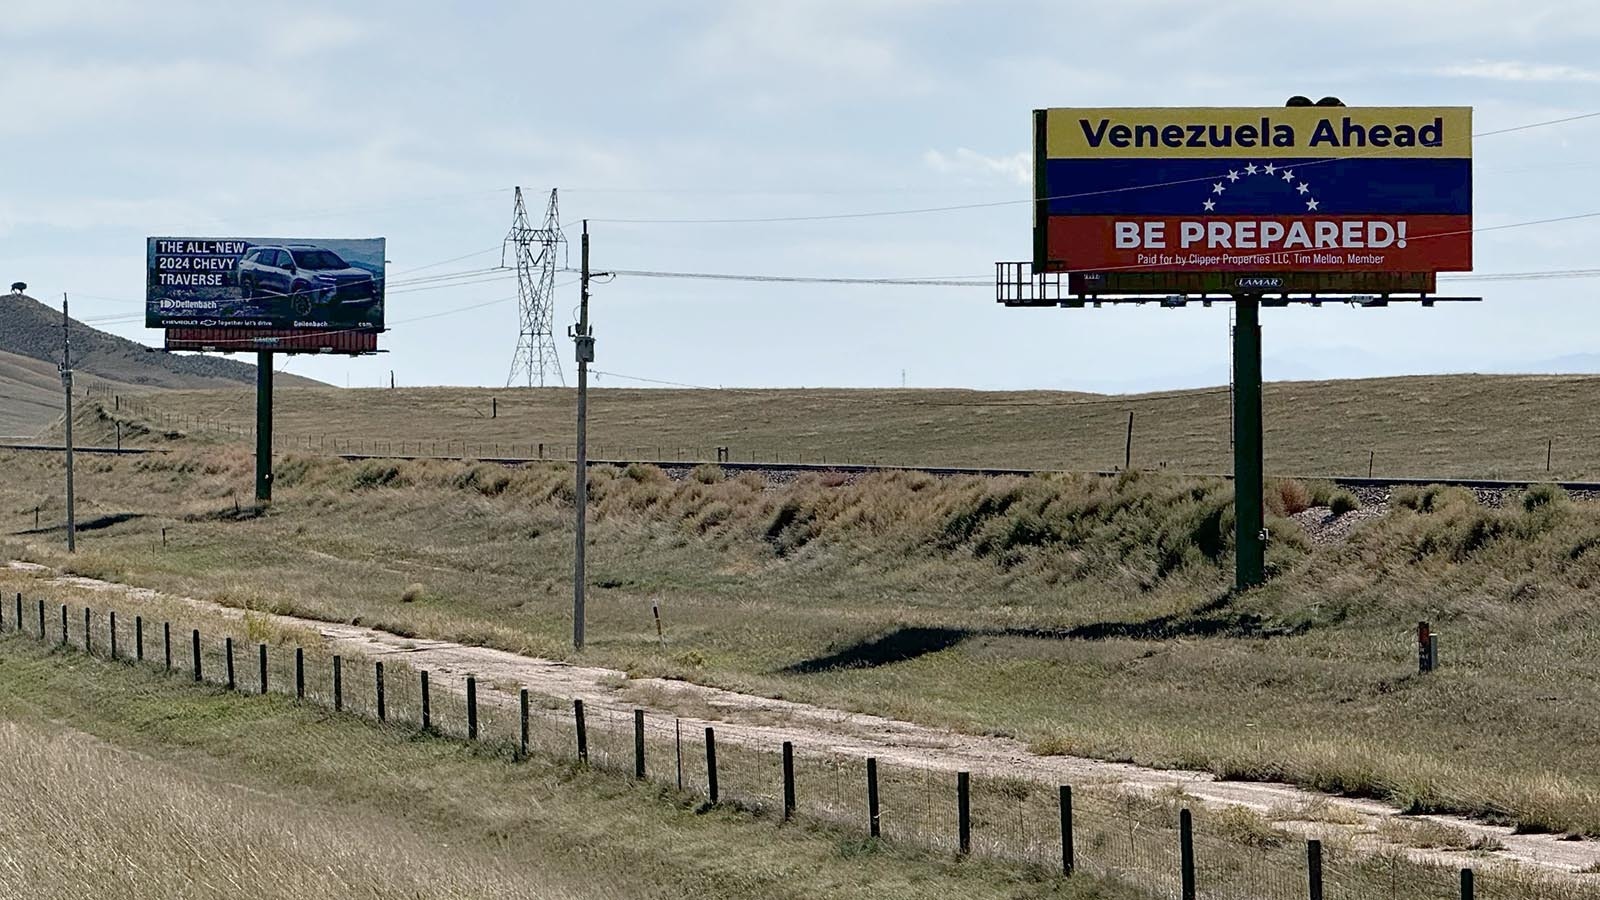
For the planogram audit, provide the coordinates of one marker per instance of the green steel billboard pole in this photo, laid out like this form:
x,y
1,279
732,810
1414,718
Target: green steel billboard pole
x,y
1250,526
264,426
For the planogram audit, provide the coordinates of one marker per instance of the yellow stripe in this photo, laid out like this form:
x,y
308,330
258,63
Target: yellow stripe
x,y
1149,132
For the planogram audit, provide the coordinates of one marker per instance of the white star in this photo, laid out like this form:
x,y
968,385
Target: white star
x,y
1250,169
1288,174
1217,188
1311,204
1233,175
1209,204
1303,187
1269,168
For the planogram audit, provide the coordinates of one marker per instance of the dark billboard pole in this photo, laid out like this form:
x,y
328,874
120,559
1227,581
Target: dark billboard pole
x,y
264,426
1250,526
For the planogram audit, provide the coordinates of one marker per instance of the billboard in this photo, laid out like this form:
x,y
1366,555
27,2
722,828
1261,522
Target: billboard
x,y
264,283
1253,190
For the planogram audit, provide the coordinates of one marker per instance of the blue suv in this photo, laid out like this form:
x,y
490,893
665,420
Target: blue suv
x,y
312,279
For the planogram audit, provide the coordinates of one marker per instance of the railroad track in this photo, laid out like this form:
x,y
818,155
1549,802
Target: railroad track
x,y
1384,482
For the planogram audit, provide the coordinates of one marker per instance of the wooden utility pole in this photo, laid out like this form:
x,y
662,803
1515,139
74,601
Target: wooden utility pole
x,y
584,339
66,384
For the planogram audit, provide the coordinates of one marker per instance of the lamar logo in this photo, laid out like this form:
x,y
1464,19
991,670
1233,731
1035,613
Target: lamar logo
x,y
1260,281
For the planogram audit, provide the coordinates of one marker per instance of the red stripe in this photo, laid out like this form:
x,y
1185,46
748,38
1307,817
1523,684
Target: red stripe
x,y
1261,243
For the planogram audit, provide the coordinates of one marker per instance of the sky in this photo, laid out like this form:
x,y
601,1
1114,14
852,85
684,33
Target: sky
x,y
414,120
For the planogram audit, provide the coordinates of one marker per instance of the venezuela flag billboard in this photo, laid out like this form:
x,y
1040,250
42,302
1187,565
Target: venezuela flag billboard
x,y
1239,189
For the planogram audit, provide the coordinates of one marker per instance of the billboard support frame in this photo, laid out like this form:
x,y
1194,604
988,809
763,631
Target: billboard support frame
x,y
1250,527
263,426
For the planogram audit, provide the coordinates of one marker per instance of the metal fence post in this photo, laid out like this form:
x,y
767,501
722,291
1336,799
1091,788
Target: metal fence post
x,y
638,744
1467,887
63,624
262,652
1068,851
41,620
472,708
1186,853
86,630
788,780
964,813
299,673
138,638
113,629
166,643
377,670
426,711
338,683
196,641
227,644
583,731
873,815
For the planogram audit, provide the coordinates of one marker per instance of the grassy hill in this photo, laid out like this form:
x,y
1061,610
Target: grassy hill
x,y
30,353
1084,615
1430,426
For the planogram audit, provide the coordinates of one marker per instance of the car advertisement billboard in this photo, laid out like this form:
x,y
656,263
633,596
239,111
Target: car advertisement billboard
x,y
1279,189
293,283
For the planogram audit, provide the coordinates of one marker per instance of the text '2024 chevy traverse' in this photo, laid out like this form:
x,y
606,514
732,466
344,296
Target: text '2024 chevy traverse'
x,y
312,279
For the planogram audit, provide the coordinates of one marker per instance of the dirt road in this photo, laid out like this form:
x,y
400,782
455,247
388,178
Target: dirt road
x,y
764,723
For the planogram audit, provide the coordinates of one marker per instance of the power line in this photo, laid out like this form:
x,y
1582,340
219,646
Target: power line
x,y
698,387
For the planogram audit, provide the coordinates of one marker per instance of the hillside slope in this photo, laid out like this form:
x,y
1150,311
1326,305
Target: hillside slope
x,y
30,351
1429,426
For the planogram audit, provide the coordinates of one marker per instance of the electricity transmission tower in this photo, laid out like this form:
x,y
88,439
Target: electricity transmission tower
x,y
536,252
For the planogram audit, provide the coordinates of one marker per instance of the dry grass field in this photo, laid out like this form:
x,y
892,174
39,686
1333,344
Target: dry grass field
x,y
1483,426
1086,616
120,782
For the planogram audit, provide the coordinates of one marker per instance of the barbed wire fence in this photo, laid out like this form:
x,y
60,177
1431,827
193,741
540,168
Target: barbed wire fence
x,y
1157,843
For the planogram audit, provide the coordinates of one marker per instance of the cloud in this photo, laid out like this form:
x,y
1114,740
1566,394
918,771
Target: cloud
x,y
1520,72
1018,167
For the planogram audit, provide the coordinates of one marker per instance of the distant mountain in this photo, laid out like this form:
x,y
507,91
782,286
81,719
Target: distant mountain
x,y
30,353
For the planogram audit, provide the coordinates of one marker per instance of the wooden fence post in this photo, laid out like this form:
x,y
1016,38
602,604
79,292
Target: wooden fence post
x,y
299,673
1186,853
964,813
638,744
1314,869
788,780
522,704
196,643
426,711
583,731
338,683
873,816
472,708
711,764
1068,851
377,670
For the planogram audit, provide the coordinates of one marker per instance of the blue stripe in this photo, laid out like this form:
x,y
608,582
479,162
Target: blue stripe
x,y
1360,186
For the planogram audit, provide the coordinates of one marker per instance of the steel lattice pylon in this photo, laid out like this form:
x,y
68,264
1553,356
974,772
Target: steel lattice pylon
x,y
537,258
